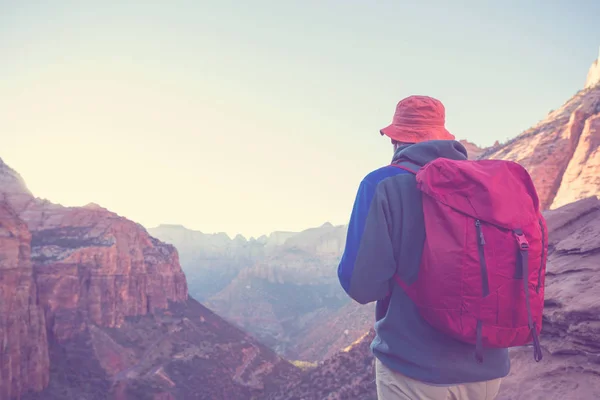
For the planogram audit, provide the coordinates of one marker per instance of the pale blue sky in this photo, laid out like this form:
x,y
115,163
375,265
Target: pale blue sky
x,y
254,116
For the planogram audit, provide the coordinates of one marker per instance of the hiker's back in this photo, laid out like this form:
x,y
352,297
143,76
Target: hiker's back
x,y
405,341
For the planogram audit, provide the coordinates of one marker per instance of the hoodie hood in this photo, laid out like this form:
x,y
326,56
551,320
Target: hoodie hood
x,y
424,152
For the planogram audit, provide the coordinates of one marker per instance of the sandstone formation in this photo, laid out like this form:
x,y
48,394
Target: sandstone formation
x,y
561,152
95,267
582,176
91,265
23,344
571,330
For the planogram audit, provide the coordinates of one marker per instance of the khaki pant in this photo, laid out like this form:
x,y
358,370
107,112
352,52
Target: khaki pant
x,y
394,386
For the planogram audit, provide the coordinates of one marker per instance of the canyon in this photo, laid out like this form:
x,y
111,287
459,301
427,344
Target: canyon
x,y
289,278
94,306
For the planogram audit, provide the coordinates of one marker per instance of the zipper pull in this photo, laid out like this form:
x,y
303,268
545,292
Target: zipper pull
x,y
480,232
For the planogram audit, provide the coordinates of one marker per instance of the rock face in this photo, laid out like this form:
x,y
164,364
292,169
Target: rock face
x,y
582,176
91,265
95,267
24,360
91,268
561,152
571,331
570,334
593,77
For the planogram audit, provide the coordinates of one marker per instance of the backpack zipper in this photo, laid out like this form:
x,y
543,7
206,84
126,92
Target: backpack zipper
x,y
479,232
484,272
539,282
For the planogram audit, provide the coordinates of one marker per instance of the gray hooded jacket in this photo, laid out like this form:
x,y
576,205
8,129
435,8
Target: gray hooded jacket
x,y
386,234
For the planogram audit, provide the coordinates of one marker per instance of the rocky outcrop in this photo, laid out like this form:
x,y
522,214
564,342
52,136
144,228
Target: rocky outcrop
x,y
93,266
561,151
593,76
571,326
582,176
13,191
24,364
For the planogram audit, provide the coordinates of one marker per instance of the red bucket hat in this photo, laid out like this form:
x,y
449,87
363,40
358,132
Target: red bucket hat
x,y
418,119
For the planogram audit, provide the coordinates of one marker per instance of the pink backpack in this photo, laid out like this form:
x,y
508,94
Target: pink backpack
x,y
481,278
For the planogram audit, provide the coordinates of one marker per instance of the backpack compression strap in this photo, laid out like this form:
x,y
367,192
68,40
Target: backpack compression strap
x,y
524,270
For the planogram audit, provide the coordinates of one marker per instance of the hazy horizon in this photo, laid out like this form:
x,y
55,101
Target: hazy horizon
x,y
254,118
234,235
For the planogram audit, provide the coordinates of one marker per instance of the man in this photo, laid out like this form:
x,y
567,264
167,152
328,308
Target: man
x,y
386,236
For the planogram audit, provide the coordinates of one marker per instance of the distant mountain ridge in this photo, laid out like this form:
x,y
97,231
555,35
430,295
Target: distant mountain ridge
x,y
212,261
289,278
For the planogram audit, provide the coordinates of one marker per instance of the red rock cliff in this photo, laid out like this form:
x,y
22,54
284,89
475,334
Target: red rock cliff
x,y
23,345
562,152
90,266
94,266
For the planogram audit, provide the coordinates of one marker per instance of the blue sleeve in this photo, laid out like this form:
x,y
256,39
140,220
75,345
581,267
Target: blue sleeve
x,y
368,263
356,227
